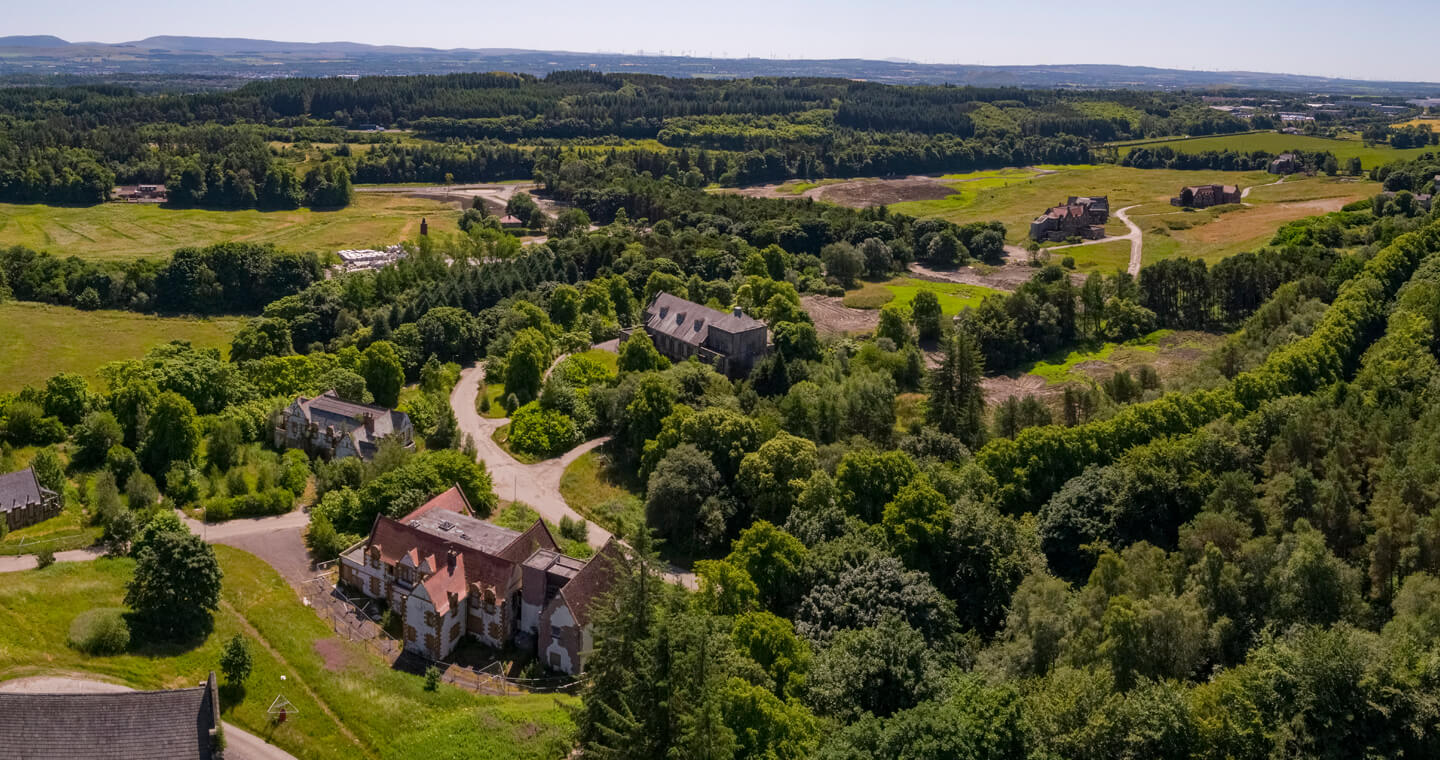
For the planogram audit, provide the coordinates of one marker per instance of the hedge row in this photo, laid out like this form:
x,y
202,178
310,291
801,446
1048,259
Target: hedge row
x,y
1034,465
274,501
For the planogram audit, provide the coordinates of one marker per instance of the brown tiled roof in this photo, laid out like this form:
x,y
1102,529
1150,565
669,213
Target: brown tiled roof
x,y
131,725
452,500
591,582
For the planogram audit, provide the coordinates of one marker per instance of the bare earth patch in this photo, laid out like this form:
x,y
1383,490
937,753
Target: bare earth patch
x,y
337,658
1001,387
833,317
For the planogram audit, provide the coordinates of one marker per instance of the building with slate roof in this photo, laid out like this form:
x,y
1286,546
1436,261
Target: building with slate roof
x,y
680,329
449,575
1205,196
179,724
23,501
1076,217
330,427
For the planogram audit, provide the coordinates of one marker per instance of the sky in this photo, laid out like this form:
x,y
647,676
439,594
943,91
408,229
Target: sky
x,y
1394,40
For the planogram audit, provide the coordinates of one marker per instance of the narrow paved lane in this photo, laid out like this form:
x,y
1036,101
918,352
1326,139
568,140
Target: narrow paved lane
x,y
538,485
1134,236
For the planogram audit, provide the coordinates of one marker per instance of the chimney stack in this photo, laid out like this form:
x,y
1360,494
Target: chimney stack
x,y
369,423
736,311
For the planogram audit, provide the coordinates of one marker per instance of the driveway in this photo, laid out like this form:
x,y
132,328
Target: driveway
x,y
277,539
537,485
11,564
1134,236
239,744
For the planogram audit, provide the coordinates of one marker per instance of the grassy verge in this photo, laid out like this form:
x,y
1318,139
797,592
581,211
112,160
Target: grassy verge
x,y
495,394
501,437
519,516
40,340
593,487
1100,257
63,532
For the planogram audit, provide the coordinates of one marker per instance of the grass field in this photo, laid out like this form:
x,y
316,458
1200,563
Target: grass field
x,y
1275,142
953,296
40,340
339,689
1098,257
1213,234
1016,196
65,531
139,230
592,488
1433,123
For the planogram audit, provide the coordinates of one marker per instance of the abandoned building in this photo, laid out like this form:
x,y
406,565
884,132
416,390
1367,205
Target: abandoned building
x,y
175,724
680,329
447,575
23,501
1078,217
1205,196
1286,163
330,427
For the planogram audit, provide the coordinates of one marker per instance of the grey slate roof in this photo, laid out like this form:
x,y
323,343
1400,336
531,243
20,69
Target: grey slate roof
x,y
20,488
132,725
465,530
328,409
690,322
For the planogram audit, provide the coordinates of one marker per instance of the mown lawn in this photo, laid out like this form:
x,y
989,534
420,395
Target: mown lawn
x,y
1274,142
142,230
954,297
39,340
388,711
592,487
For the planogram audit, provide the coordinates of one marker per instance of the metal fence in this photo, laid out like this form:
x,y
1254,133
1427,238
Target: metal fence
x,y
357,619
28,545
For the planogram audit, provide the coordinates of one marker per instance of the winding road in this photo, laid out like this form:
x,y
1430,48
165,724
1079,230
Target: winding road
x,y
1137,243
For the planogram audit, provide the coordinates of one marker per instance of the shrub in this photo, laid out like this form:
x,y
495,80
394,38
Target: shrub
x,y
44,558
273,501
432,678
542,432
100,631
1068,262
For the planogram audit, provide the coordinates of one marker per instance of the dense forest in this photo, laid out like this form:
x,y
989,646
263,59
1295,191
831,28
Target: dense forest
x,y
1239,563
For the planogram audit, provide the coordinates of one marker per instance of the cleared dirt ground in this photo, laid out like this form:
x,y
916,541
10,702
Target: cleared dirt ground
x,y
832,317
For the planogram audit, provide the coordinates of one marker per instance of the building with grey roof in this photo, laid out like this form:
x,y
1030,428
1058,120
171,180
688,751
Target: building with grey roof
x,y
178,724
23,501
680,329
333,428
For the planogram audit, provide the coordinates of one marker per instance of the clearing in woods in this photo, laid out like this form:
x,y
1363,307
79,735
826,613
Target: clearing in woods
x,y
143,230
40,340
1275,142
953,296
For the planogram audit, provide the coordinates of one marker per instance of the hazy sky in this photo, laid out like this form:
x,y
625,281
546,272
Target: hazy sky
x,y
1392,40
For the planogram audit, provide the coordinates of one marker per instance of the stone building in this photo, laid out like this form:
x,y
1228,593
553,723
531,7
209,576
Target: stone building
x,y
1078,217
1286,163
449,575
680,329
23,501
176,724
330,427
1205,196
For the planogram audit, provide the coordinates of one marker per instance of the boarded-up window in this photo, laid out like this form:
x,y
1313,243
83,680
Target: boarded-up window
x,y
454,631
374,586
409,633
431,619
554,660
495,632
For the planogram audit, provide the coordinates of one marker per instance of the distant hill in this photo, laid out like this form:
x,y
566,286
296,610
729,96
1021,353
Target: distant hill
x,y
248,58
31,41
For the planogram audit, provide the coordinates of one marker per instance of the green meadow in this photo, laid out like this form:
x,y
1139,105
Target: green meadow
x,y
40,340
953,296
1274,142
